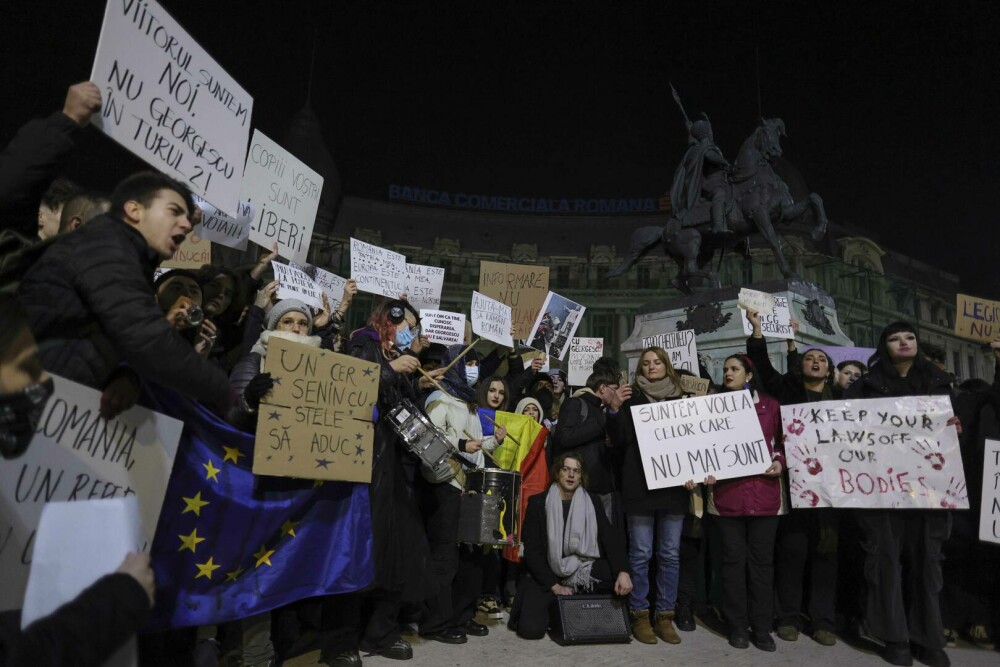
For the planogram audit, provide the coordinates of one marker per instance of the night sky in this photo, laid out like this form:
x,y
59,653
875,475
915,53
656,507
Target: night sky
x,y
890,107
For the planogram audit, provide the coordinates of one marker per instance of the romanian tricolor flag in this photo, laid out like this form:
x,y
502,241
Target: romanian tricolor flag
x,y
522,450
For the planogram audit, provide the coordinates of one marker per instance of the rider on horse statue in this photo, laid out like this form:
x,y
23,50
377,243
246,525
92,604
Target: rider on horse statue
x,y
702,173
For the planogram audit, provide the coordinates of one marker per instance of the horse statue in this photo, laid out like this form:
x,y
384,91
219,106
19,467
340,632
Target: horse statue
x,y
756,198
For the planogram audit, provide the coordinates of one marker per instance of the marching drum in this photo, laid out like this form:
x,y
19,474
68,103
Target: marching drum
x,y
488,510
424,439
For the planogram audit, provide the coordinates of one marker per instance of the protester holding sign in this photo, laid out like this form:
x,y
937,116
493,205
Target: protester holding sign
x,y
90,628
290,319
655,518
400,545
747,509
807,538
898,540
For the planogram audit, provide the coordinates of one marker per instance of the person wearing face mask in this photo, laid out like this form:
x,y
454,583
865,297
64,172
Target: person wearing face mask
x,y
559,394
400,551
91,627
746,511
808,539
904,613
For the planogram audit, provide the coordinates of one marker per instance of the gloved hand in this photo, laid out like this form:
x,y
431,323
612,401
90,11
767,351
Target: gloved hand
x,y
257,389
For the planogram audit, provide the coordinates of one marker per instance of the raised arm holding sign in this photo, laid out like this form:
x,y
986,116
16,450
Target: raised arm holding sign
x,y
169,102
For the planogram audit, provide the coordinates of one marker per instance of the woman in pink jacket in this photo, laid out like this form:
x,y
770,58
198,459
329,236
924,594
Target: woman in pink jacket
x,y
746,510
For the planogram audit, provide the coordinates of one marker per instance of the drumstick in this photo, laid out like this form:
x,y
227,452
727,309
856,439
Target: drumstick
x,y
469,436
432,380
464,352
508,435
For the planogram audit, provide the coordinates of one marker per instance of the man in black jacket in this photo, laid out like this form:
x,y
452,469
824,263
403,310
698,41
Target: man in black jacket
x,y
596,561
584,425
90,300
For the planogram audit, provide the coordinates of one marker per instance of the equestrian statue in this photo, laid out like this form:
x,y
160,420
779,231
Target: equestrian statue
x,y
716,205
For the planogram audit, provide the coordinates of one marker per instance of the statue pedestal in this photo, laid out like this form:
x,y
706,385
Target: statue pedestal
x,y
717,322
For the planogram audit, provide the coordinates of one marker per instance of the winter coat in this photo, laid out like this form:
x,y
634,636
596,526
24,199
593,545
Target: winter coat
x,y
636,496
755,495
787,388
28,164
583,426
91,305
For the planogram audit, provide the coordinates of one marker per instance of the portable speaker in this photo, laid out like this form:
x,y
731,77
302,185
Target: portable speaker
x,y
591,619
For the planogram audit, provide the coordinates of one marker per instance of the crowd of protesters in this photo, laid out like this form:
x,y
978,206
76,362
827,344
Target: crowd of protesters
x,y
81,302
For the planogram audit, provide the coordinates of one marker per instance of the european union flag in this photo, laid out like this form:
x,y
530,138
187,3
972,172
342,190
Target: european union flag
x,y
230,544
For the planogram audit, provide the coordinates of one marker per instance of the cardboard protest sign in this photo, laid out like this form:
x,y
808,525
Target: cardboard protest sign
x,y
378,270
296,284
583,352
692,438
316,423
443,327
424,285
692,384
529,357
491,319
167,101
975,318
77,455
775,322
751,299
884,453
220,227
680,345
524,288
194,253
556,325
989,516
285,193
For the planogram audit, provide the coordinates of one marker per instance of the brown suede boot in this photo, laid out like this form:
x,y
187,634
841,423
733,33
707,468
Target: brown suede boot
x,y
665,627
641,627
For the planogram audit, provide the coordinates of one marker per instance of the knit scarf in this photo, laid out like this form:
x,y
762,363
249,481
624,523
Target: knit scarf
x,y
573,556
260,347
658,390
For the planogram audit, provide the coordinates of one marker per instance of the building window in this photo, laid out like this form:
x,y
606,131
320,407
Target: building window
x,y
956,361
562,276
644,279
972,368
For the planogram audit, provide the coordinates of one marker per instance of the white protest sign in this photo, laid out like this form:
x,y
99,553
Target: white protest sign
x,y
692,438
296,284
285,193
77,455
989,517
882,453
77,544
220,227
424,285
491,319
751,299
443,327
680,345
775,322
332,285
378,270
583,352
166,100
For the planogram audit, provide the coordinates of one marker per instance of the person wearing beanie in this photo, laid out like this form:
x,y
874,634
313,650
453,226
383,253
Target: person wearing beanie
x,y
290,319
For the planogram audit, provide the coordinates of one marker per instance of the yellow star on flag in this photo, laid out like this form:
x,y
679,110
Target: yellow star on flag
x,y
318,482
211,472
288,528
231,576
264,555
194,504
190,541
206,569
232,454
